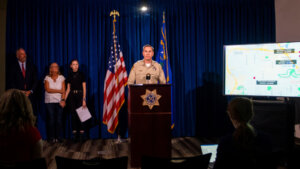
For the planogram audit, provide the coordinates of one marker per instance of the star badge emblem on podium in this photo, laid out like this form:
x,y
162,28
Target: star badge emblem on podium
x,y
150,98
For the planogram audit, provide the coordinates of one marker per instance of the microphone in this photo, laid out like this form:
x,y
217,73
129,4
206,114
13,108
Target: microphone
x,y
148,77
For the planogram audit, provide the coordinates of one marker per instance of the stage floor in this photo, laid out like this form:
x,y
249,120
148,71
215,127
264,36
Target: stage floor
x,y
109,148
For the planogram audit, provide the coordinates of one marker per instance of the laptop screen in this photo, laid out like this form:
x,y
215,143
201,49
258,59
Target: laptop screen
x,y
210,148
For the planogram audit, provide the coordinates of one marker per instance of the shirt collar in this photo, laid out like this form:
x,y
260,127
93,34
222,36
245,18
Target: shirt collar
x,y
152,62
20,63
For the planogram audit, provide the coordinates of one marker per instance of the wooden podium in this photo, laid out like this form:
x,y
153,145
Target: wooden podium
x,y
149,128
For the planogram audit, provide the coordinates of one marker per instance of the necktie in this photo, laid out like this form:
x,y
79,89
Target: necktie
x,y
23,73
23,70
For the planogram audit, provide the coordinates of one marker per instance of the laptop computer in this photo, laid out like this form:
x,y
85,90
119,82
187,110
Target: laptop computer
x,y
210,148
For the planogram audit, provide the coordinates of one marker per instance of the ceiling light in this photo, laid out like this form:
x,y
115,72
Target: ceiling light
x,y
144,8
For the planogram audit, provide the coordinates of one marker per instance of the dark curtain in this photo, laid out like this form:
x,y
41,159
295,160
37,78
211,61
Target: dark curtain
x,y
61,30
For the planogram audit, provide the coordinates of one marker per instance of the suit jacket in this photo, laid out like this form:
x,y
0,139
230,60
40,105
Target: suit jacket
x,y
15,79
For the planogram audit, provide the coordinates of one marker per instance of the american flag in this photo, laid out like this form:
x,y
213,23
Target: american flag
x,y
114,86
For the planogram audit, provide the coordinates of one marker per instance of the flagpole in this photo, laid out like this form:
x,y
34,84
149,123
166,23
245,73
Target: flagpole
x,y
167,58
115,13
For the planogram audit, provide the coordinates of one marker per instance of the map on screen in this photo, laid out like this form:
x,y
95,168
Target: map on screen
x,y
270,69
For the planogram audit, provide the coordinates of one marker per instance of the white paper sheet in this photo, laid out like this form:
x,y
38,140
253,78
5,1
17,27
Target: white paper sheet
x,y
83,114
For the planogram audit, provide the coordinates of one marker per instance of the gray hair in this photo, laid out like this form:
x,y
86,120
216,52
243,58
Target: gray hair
x,y
147,45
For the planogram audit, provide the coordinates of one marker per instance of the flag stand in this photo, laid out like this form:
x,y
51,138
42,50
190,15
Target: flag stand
x,y
119,140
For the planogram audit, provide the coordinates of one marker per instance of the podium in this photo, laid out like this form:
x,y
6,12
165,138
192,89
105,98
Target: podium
x,y
149,113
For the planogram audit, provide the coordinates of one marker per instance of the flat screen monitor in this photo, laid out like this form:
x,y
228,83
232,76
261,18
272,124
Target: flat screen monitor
x,y
267,69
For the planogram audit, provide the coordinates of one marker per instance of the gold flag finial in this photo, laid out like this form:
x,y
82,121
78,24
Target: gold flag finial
x,y
164,17
114,13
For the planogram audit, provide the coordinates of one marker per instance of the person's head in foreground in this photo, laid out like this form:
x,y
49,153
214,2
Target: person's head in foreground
x,y
15,111
20,140
240,111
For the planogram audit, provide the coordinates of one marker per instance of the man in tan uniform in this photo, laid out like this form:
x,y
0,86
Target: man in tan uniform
x,y
147,71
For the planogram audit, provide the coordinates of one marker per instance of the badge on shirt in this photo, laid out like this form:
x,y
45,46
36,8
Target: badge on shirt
x,y
150,98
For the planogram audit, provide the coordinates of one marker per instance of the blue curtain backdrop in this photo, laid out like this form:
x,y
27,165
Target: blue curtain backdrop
x,y
61,30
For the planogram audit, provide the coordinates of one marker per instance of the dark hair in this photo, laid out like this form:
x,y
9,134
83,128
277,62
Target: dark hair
x,y
70,69
241,110
15,111
73,61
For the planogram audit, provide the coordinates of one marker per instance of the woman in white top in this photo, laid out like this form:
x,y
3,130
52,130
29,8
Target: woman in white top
x,y
54,94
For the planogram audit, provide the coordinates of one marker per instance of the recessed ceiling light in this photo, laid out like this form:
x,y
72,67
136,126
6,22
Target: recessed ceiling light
x,y
144,8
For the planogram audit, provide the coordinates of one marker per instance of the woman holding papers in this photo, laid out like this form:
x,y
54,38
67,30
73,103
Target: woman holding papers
x,y
76,94
54,98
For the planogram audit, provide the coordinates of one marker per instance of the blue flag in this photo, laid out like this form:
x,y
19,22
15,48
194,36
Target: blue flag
x,y
163,59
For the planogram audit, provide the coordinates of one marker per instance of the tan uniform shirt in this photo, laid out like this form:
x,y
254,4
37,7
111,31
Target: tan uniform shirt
x,y
140,70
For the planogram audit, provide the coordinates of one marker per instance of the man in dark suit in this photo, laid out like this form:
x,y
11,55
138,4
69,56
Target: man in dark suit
x,y
22,75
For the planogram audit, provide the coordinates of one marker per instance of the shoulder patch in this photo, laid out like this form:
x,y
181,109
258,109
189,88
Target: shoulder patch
x,y
156,63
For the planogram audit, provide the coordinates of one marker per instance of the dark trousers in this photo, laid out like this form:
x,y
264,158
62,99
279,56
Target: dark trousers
x,y
54,122
75,101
